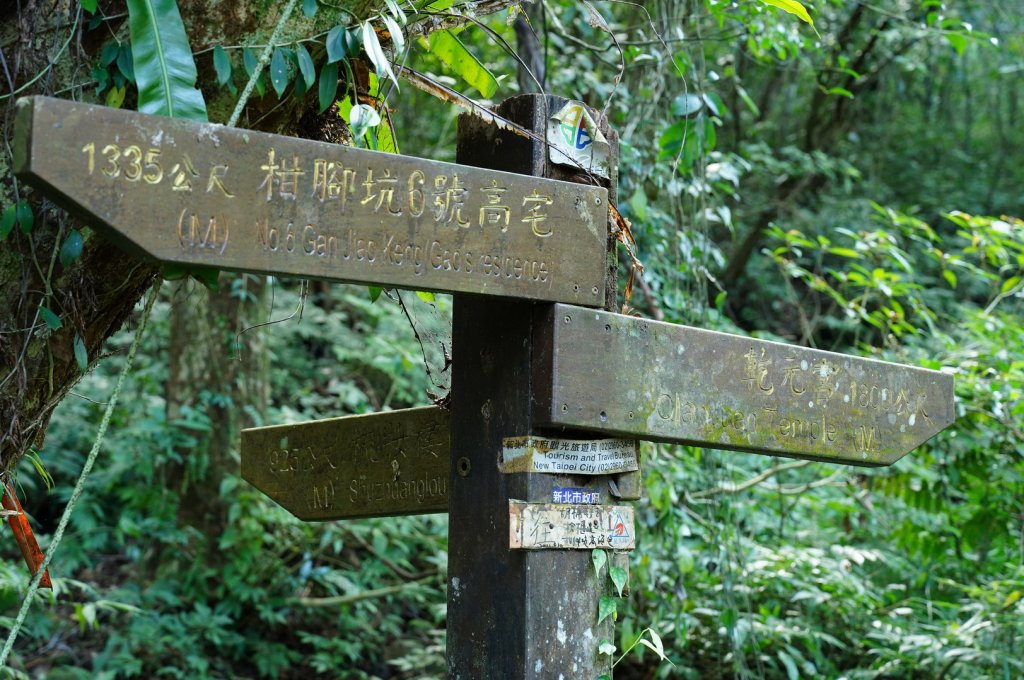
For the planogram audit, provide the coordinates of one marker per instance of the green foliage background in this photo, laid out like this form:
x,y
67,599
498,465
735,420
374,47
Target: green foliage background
x,y
829,191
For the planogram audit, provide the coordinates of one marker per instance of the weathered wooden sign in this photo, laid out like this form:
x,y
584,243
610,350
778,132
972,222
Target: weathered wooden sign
x,y
540,526
199,194
390,463
632,377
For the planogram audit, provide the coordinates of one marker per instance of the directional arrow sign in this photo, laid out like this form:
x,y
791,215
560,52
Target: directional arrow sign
x,y
198,194
627,376
392,463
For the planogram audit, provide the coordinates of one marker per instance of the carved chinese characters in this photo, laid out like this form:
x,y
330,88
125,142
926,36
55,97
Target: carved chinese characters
x,y
628,376
393,463
201,194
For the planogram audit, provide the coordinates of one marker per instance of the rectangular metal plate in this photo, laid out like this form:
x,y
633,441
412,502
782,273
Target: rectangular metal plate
x,y
569,456
538,526
206,195
391,463
633,377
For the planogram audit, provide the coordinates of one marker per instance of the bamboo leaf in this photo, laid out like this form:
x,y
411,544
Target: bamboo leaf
x,y
7,221
51,320
376,53
81,354
25,217
454,54
164,69
72,248
306,66
328,85
279,72
397,37
222,65
335,44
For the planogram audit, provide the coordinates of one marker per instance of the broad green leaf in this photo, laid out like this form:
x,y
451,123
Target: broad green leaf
x,y
279,72
1009,284
599,558
174,272
51,320
328,85
81,355
793,7
109,53
89,6
619,577
164,69
454,54
309,8
7,221
958,41
208,276
72,248
374,292
222,65
426,297
336,44
25,217
115,97
306,67
607,606
947,274
124,62
376,53
687,104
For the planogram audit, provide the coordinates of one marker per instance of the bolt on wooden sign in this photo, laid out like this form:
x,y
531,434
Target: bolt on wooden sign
x,y
375,465
200,194
633,377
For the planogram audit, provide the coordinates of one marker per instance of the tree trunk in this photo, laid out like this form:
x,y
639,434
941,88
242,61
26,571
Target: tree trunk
x,y
215,387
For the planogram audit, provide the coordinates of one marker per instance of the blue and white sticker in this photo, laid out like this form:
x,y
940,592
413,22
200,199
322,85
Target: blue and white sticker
x,y
574,496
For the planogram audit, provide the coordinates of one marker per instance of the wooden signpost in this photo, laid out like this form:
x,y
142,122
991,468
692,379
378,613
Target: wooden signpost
x,y
661,382
198,194
525,462
393,463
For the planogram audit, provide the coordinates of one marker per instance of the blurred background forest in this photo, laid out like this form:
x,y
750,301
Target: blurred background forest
x,y
855,185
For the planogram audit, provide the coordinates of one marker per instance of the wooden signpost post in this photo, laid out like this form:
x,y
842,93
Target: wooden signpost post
x,y
526,462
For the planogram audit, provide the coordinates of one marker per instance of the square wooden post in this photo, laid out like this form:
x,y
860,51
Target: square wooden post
x,y
512,614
